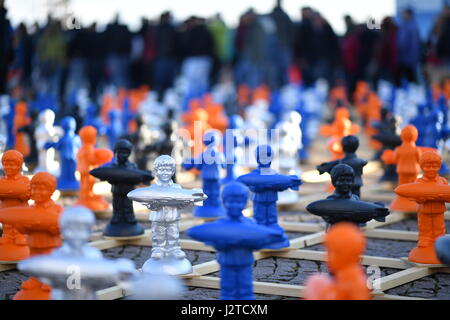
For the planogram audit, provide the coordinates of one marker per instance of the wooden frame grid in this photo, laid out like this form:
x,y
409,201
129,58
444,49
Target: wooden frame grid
x,y
298,250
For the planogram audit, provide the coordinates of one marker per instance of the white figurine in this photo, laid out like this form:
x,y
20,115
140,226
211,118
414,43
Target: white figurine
x,y
44,133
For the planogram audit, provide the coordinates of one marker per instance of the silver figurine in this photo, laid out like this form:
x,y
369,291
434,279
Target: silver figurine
x,y
165,198
76,271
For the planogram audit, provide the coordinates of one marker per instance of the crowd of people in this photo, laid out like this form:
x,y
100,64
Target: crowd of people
x,y
263,49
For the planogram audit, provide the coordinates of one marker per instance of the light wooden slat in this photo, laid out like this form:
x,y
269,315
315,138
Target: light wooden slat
x,y
112,293
313,255
7,267
301,226
402,277
392,234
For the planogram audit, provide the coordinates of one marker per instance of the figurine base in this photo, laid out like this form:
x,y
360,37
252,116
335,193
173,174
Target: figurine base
x,y
402,204
125,238
423,265
167,265
33,294
123,230
10,252
279,245
287,197
424,256
209,212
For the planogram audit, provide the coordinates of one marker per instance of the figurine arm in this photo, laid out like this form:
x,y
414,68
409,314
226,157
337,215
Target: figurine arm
x,y
327,166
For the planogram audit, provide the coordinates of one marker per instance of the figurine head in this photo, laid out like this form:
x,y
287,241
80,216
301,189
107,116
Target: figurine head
x,y
409,133
21,108
164,168
68,124
47,117
293,117
342,177
43,184
350,144
88,135
76,224
122,151
342,113
430,163
264,155
345,244
234,198
12,161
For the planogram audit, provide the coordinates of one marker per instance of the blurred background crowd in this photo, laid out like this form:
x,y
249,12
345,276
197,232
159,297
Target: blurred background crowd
x,y
267,48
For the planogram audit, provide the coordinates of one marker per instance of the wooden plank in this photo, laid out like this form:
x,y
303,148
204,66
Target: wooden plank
x,y
314,238
394,297
301,226
391,218
111,293
392,234
401,277
287,290
313,255
205,268
7,267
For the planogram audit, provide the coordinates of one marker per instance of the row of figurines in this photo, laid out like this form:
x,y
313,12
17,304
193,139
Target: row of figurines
x,y
234,237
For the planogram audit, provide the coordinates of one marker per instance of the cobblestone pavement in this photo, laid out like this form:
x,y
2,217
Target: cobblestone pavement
x,y
277,270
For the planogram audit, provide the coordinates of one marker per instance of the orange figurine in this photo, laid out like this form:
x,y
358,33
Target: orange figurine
x,y
345,244
431,192
339,128
406,157
21,119
41,223
216,116
14,192
88,158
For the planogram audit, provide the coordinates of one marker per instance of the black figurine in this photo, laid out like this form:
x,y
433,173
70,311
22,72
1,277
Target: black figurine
x,y
349,144
123,176
343,205
390,139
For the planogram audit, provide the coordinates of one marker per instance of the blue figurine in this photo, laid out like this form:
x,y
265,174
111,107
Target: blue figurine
x,y
68,147
127,115
235,238
113,129
209,163
265,183
230,144
92,119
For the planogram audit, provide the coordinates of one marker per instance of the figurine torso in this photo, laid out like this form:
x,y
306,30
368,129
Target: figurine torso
x,y
166,213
